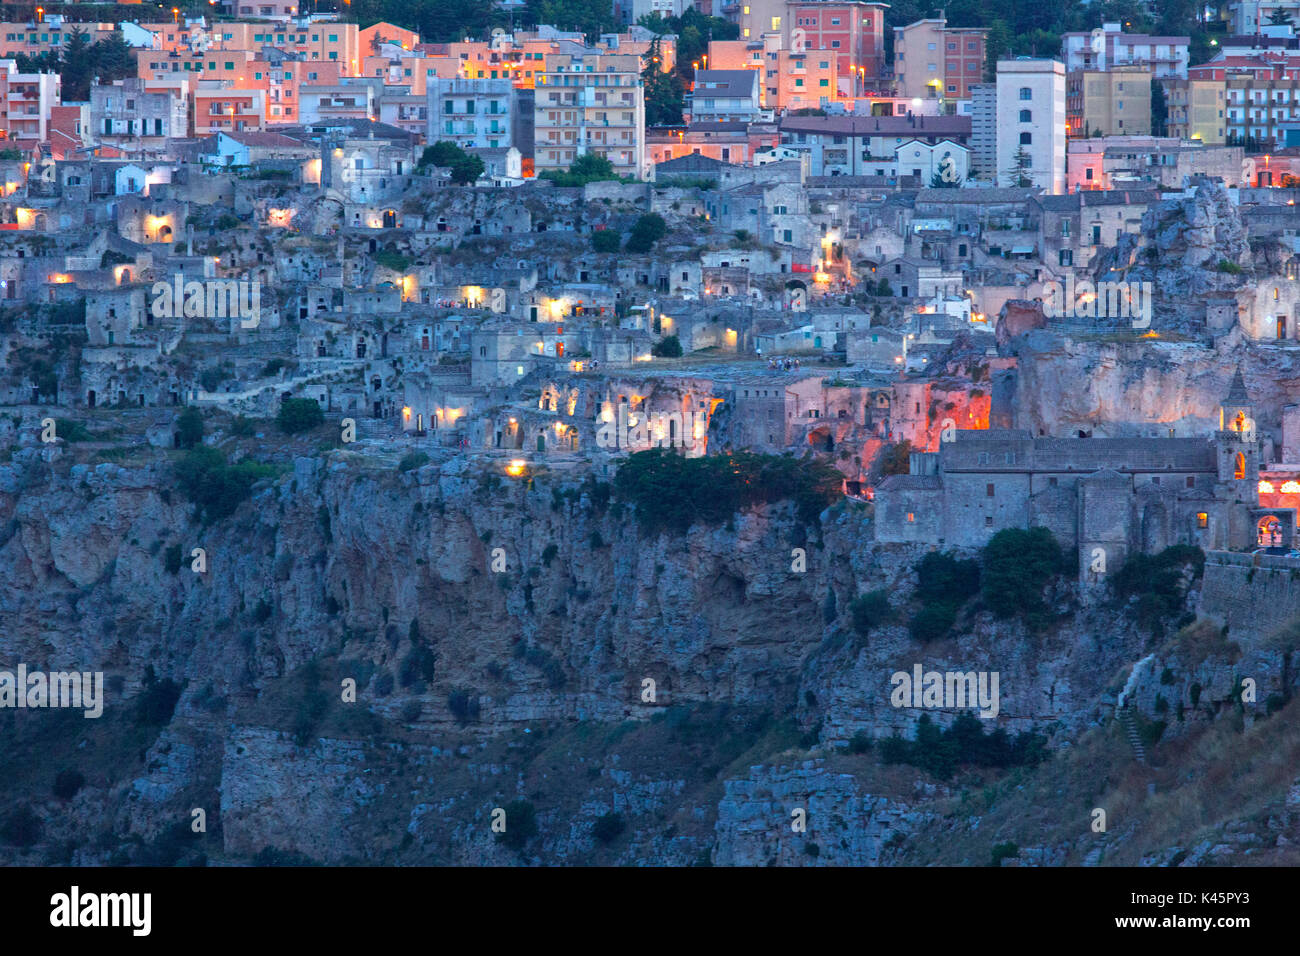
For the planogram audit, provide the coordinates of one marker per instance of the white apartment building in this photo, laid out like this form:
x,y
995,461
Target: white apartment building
x,y
473,114
590,103
1109,48
25,102
1031,117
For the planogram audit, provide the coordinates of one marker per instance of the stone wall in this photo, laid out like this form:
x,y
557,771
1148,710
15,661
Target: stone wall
x,y
1254,594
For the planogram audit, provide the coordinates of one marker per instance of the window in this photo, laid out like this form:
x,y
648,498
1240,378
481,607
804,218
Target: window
x,y
1202,519
988,490
1191,482
1026,139
911,517
1026,116
1026,93
988,521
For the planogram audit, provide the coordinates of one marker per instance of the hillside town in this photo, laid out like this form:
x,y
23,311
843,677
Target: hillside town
x,y
992,277
486,248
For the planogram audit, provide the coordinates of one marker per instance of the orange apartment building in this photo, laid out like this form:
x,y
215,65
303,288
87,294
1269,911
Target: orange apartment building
x,y
789,81
48,36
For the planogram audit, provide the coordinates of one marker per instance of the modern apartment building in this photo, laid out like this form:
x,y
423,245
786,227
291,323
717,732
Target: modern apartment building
x,y
851,28
1114,102
935,61
1031,123
788,81
473,114
590,103
1109,48
26,100
1197,109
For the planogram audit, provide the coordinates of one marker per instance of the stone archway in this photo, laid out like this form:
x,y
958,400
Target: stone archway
x,y
1268,532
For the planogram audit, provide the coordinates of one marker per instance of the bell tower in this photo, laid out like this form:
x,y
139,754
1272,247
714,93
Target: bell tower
x,y
1237,441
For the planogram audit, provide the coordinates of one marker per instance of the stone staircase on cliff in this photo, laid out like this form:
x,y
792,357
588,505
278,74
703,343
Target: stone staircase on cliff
x,y
1131,732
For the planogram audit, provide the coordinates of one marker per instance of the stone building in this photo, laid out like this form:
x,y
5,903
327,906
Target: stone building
x,y
1107,496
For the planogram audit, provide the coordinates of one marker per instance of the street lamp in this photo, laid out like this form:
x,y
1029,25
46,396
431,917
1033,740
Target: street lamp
x,y
40,14
176,15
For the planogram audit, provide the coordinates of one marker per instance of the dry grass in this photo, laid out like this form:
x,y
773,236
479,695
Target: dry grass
x,y
1209,782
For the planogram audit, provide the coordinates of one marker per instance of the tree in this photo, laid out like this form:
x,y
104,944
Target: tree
x,y
443,153
1017,172
1159,110
587,168
669,346
605,240
299,414
648,230
665,92
1280,18
189,427
467,170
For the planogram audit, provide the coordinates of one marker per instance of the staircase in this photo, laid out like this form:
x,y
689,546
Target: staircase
x,y
1131,731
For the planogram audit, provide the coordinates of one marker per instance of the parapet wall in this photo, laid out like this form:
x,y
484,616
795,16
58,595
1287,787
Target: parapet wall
x,y
1254,594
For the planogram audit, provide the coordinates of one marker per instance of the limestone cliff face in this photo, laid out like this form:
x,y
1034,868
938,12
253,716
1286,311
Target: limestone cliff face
x,y
479,686
1144,387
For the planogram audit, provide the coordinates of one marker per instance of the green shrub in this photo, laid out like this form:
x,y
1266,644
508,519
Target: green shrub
x,y
189,427
933,621
67,783
1004,851
606,240
940,751
1159,582
670,346
607,828
463,704
21,828
213,485
1017,564
859,743
649,229
157,700
521,824
299,414
671,492
411,460
870,610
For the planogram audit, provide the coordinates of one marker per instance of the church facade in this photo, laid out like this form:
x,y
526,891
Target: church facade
x,y
1103,497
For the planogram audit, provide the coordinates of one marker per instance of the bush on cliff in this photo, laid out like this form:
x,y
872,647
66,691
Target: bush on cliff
x,y
671,492
941,751
1017,564
870,610
943,584
521,824
1159,582
214,485
299,415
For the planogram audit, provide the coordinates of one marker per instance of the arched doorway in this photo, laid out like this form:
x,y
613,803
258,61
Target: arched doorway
x,y
390,219
1268,532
